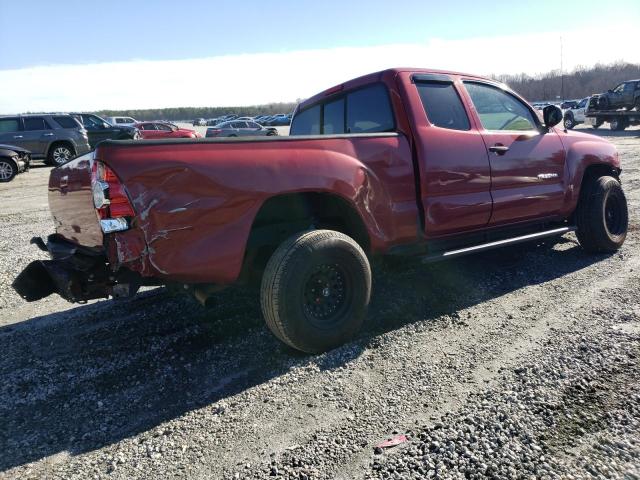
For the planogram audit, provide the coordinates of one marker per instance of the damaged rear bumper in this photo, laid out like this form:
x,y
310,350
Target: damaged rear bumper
x,y
75,273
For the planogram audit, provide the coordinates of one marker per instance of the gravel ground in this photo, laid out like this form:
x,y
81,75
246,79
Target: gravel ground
x,y
519,363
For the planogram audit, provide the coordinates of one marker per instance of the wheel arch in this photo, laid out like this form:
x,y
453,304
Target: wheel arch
x,y
282,215
591,172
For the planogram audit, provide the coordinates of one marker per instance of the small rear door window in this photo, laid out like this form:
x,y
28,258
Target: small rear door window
x,y
67,122
369,110
306,122
443,105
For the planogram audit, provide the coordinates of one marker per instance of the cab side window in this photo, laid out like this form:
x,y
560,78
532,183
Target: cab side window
x,y
365,110
443,105
498,110
333,120
369,110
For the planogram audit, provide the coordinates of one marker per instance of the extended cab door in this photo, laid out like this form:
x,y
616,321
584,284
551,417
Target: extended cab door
x,y
455,176
527,162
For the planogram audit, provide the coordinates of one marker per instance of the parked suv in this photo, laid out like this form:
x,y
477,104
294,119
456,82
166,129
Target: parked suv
x,y
56,138
99,129
626,95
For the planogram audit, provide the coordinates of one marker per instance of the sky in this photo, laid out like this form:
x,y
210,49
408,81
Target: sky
x,y
91,55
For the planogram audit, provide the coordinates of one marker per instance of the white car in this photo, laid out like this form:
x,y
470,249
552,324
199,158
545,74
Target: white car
x,y
121,121
576,115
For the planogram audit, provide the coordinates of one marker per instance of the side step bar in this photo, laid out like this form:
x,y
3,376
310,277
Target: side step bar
x,y
491,245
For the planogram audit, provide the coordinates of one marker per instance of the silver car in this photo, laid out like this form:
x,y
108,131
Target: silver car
x,y
56,138
240,128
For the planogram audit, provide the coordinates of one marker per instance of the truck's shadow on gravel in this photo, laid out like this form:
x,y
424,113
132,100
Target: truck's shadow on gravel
x,y
82,379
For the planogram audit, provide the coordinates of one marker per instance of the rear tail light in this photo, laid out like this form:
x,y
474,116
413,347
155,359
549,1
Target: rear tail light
x,y
110,199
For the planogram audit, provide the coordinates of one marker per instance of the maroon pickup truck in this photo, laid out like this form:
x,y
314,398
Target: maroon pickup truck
x,y
401,162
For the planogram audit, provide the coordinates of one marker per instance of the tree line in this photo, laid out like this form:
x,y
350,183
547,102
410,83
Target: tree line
x,y
578,83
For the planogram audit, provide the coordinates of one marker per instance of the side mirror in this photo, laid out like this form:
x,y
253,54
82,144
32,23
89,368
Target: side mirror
x,y
609,91
105,125
552,116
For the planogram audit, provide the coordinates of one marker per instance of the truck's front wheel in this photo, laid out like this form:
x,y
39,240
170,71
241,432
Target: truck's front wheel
x,y
569,123
602,217
315,290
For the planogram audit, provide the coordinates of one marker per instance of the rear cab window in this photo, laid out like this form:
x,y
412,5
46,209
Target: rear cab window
x,y
306,122
364,110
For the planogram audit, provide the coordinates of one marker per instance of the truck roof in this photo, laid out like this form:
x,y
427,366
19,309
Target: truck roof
x,y
376,77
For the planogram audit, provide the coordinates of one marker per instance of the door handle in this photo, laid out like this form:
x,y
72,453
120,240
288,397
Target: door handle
x,y
48,135
499,149
17,136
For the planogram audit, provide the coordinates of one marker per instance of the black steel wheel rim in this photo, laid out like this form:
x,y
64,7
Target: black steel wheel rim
x,y
326,295
613,216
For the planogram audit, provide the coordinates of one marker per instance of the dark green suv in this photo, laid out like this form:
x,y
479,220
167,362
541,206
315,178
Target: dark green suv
x,y
99,129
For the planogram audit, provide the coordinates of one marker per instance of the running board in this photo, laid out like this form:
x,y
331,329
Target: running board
x,y
500,243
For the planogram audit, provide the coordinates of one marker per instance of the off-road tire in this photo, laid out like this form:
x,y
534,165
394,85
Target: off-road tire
x,y
290,277
602,217
597,125
8,170
60,153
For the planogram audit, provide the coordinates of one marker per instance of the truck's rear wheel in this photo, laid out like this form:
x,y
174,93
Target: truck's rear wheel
x,y
617,124
602,216
315,290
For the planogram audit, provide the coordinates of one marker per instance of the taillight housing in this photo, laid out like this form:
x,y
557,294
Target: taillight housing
x,y
110,199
